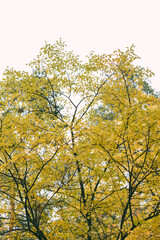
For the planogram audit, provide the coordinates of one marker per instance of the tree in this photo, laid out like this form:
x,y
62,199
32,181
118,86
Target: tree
x,y
80,147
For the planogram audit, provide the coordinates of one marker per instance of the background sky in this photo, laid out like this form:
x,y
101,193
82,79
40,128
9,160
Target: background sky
x,y
85,25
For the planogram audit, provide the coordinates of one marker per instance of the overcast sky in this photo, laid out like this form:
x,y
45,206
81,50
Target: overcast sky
x,y
85,25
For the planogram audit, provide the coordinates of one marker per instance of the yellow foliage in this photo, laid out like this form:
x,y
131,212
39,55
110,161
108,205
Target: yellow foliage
x,y
79,148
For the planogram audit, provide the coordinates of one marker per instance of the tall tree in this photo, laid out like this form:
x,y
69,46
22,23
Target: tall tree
x,y
67,170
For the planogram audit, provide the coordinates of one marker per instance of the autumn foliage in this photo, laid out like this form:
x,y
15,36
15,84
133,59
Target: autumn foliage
x,y
79,149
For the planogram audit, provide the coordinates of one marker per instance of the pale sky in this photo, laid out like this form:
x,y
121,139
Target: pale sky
x,y
85,25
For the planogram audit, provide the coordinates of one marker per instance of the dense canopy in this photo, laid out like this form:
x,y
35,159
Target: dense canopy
x,y
79,148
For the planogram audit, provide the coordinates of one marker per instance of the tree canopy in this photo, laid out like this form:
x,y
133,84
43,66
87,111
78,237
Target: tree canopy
x,y
80,148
